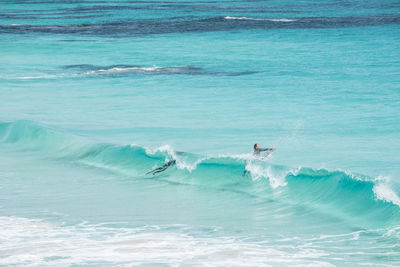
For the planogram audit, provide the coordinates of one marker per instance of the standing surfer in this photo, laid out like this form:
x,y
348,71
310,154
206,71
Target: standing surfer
x,y
257,153
257,149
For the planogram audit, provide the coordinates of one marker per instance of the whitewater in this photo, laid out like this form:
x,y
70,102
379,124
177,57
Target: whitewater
x,y
95,94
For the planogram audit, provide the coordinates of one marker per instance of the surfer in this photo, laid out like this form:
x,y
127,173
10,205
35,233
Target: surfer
x,y
257,149
257,153
162,168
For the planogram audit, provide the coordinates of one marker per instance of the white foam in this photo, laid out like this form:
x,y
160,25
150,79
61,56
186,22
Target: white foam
x,y
275,176
116,70
34,242
258,19
383,191
164,148
30,77
283,20
247,156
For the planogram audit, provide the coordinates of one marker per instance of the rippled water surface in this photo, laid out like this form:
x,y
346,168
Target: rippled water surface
x,y
95,94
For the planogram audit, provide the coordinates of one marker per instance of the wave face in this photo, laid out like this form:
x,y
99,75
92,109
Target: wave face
x,y
359,199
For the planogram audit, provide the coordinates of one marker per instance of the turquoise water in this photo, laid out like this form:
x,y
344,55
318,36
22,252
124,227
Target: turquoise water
x,y
94,94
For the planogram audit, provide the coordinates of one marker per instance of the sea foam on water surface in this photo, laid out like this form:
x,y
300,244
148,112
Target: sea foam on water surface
x,y
36,242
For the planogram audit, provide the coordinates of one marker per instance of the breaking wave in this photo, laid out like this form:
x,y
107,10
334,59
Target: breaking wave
x,y
349,195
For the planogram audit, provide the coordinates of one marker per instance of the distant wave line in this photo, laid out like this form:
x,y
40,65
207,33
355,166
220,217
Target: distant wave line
x,y
258,19
179,25
136,69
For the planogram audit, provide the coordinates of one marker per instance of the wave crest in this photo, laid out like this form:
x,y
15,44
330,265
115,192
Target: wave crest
x,y
259,19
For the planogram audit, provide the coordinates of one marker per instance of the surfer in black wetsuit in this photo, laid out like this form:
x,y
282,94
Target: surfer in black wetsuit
x,y
257,149
257,152
163,168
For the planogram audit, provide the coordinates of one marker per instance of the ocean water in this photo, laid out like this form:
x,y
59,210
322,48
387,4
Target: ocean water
x,y
95,93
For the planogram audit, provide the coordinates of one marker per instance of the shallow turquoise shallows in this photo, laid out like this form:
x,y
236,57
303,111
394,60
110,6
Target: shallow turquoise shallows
x,y
95,94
